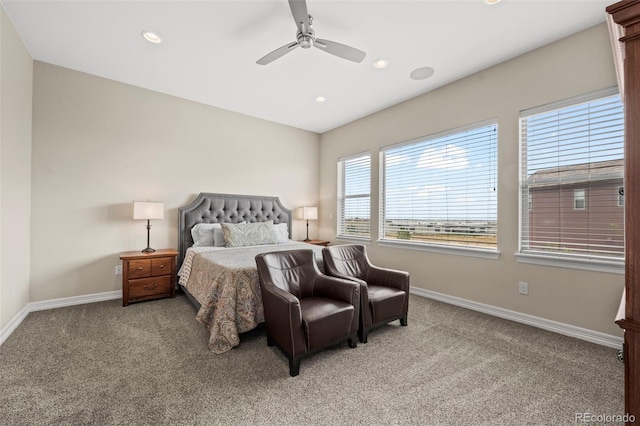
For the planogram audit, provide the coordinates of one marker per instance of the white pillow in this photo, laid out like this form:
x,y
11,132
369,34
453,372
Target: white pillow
x,y
248,234
207,235
218,236
282,233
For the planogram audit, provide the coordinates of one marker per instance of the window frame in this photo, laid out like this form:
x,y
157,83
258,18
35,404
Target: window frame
x,y
472,251
583,262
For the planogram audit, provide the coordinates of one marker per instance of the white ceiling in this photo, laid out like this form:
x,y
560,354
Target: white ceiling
x,y
209,48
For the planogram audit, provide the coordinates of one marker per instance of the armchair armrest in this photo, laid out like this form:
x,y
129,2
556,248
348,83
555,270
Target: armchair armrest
x,y
337,274
283,318
388,278
337,288
283,303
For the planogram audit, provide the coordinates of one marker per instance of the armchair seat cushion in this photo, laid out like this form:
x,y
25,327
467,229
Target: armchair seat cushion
x,y
325,320
385,302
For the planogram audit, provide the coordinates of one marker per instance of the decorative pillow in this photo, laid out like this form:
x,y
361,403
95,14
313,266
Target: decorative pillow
x,y
207,235
282,233
248,234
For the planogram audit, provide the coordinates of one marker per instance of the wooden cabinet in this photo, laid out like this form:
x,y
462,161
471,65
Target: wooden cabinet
x,y
626,14
147,276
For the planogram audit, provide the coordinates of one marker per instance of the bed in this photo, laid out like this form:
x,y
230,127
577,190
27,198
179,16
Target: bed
x,y
220,281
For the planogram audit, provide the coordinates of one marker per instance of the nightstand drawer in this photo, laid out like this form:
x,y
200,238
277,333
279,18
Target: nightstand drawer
x,y
148,275
139,268
161,266
144,287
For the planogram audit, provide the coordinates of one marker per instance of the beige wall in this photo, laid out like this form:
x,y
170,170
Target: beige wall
x,y
579,64
98,145
16,74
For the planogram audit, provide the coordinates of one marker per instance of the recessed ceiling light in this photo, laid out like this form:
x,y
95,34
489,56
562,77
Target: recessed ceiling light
x,y
490,2
151,37
320,99
422,73
380,63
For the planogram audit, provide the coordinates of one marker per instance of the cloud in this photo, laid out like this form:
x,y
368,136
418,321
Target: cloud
x,y
450,157
432,191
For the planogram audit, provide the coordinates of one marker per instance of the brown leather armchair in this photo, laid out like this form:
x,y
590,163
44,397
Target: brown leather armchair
x,y
305,311
384,293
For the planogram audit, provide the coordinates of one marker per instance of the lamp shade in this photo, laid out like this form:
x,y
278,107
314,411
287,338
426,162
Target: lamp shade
x,y
147,210
307,213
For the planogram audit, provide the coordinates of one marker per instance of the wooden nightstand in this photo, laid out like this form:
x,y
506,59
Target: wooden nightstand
x,y
317,242
147,276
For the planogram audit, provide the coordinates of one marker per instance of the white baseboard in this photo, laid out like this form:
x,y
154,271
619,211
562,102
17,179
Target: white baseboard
x,y
13,324
74,300
545,324
55,303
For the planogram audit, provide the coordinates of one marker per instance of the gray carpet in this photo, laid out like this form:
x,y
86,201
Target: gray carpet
x,y
148,364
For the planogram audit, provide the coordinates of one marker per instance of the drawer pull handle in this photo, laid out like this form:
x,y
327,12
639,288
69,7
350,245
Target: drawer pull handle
x,y
140,268
150,287
161,266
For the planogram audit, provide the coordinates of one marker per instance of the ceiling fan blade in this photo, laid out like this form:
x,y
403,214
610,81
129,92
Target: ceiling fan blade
x,y
341,50
300,15
281,51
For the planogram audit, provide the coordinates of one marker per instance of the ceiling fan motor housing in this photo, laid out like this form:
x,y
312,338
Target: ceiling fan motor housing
x,y
305,40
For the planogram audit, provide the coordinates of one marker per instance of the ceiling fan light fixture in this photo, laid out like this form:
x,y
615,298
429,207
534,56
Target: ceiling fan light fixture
x,y
151,37
320,99
422,73
491,2
380,63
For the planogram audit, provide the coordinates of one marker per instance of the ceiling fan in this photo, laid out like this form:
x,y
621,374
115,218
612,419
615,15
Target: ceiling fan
x,y
306,37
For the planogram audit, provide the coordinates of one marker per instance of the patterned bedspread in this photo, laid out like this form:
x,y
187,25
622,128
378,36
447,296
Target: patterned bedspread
x,y
225,283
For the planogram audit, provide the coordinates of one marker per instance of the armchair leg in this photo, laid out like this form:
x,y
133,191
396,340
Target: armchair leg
x,y
363,336
270,341
353,342
403,321
294,367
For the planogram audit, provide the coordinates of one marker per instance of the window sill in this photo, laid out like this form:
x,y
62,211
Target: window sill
x,y
597,265
353,240
460,251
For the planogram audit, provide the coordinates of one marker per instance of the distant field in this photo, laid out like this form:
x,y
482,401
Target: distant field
x,y
468,240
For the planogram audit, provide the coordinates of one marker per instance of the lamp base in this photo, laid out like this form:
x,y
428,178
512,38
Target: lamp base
x,y
148,249
306,240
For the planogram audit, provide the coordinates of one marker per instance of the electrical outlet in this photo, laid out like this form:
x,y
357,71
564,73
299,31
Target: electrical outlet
x,y
118,269
523,288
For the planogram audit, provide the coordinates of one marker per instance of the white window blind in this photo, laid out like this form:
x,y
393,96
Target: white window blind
x,y
354,196
572,177
441,189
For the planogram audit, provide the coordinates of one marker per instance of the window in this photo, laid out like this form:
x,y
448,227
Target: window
x,y
440,190
354,196
570,174
578,199
620,196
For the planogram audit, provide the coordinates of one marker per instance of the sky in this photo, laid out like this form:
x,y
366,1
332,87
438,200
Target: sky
x,y
451,177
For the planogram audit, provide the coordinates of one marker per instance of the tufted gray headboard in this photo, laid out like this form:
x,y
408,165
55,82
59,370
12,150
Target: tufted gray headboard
x,y
231,208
